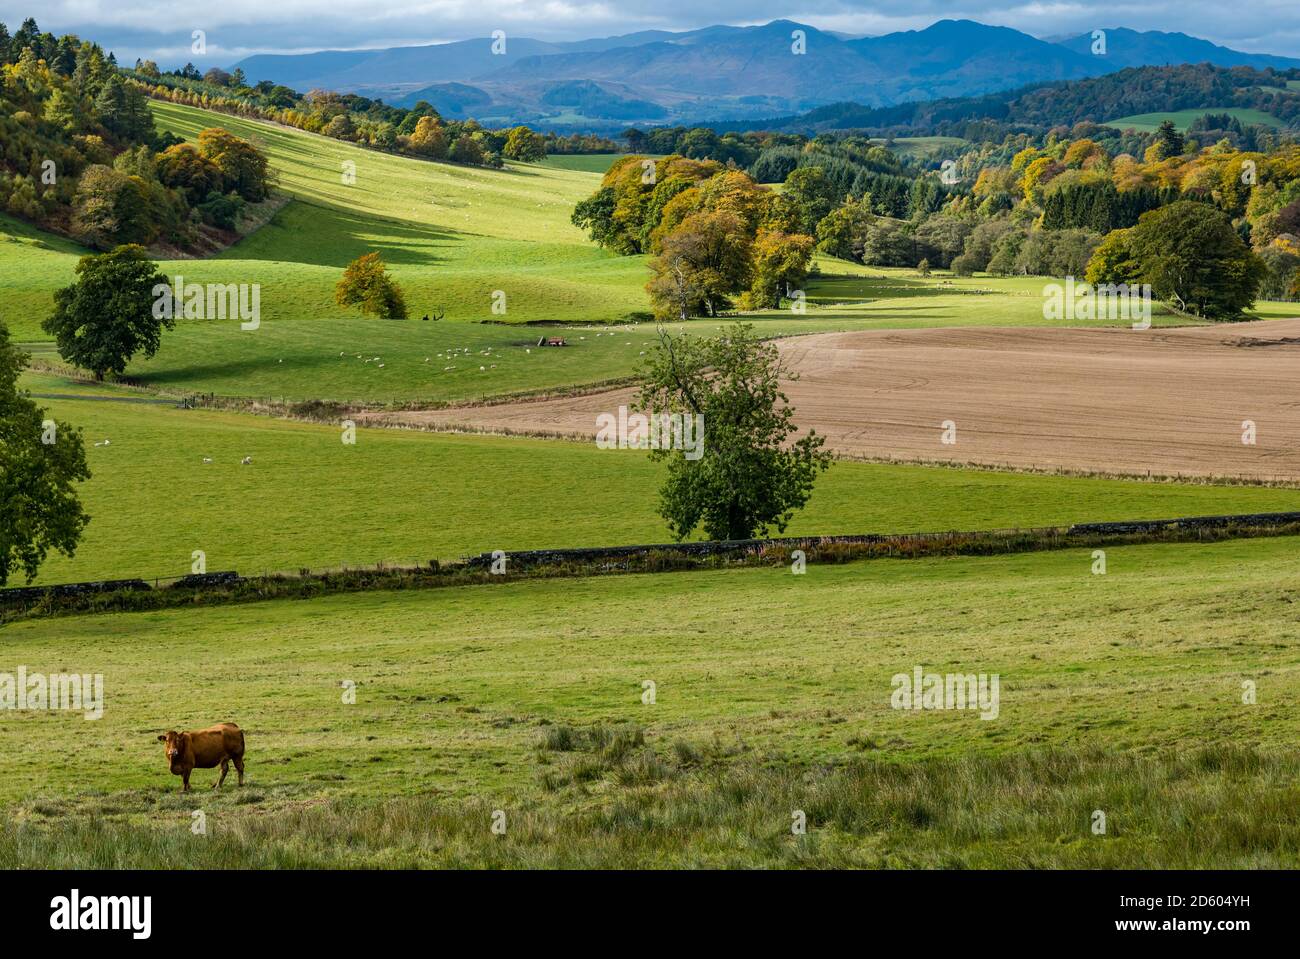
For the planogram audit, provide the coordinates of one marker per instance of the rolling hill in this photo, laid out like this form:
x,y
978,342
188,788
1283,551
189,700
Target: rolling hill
x,y
1154,48
1198,88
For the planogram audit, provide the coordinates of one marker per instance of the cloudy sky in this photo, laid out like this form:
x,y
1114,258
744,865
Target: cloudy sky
x,y
234,28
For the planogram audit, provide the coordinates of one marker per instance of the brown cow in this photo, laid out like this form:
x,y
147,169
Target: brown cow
x,y
221,745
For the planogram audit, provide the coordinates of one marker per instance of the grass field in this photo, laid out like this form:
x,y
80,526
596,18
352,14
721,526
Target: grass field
x,y
1149,122
586,162
527,697
308,500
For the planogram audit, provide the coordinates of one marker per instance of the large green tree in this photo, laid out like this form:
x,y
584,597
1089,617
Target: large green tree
x,y
40,460
244,167
703,262
780,264
1195,260
108,315
111,208
748,476
523,144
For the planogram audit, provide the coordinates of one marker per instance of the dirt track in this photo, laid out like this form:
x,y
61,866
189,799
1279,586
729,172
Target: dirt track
x,y
1106,400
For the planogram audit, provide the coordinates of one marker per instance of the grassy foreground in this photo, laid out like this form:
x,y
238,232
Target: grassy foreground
x,y
1206,808
1120,692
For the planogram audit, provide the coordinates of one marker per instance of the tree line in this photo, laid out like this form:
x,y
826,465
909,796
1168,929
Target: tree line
x,y
1068,203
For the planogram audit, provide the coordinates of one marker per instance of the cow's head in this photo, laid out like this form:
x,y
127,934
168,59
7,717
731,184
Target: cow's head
x,y
174,744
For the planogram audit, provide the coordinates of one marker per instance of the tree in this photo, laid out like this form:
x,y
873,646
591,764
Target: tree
x,y
780,264
429,138
1055,253
108,315
340,127
1283,272
1169,141
466,149
940,238
812,194
888,243
978,248
701,263
1113,262
182,167
840,232
1195,260
385,136
596,215
367,283
111,208
124,110
748,477
40,460
243,166
523,144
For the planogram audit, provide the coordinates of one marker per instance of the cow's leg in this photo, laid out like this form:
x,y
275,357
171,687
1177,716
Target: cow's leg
x,y
185,776
225,768
239,768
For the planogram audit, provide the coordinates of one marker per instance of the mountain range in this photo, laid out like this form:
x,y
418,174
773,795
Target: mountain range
x,y
726,72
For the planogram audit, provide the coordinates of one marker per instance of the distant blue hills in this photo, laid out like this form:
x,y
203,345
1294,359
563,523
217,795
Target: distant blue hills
x,y
727,72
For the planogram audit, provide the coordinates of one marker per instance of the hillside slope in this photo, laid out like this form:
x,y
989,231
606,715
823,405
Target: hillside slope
x,y
451,234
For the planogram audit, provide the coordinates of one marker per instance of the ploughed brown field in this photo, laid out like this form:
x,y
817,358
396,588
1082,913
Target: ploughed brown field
x,y
1164,401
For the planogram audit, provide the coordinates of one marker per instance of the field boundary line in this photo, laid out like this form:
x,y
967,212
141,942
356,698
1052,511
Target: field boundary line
x,y
512,566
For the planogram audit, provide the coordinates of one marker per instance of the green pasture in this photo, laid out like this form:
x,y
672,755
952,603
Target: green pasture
x,y
528,697
1150,122
584,162
309,500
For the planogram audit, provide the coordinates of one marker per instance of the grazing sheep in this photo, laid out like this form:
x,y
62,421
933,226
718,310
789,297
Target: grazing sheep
x,y
207,459
246,461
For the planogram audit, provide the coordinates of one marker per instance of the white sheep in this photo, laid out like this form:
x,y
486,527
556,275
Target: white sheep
x,y
246,461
